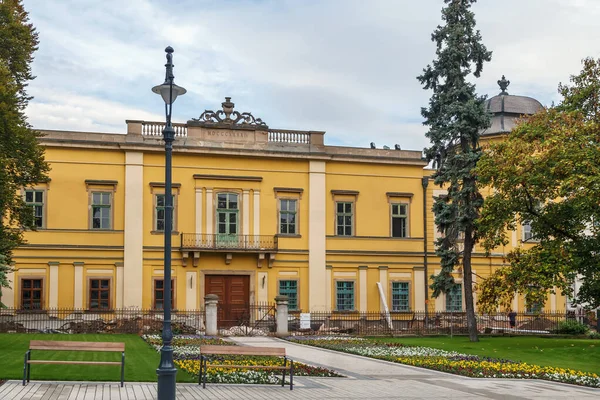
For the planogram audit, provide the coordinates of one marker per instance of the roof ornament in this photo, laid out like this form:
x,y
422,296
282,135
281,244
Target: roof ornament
x,y
229,117
503,83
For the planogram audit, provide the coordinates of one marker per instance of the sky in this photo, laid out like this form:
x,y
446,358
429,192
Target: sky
x,y
347,67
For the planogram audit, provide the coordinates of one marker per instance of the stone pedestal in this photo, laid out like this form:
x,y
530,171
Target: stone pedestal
x,y
210,307
282,315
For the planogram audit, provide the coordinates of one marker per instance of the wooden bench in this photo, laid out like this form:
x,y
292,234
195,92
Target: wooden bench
x,y
56,345
211,350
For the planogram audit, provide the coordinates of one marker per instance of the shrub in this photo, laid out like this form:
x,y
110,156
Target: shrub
x,y
572,327
595,335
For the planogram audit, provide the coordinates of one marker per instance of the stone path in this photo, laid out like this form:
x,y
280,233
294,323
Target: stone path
x,y
366,379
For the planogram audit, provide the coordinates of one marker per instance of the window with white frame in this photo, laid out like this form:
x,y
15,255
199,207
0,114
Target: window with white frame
x,y
35,199
344,220
101,210
399,220
287,216
527,231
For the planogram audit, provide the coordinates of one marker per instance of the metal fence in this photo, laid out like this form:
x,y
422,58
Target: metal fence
x,y
247,319
431,323
128,320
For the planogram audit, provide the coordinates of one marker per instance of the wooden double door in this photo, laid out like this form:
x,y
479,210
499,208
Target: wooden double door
x,y
234,298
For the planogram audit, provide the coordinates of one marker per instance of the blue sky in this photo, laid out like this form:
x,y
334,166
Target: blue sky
x,y
347,67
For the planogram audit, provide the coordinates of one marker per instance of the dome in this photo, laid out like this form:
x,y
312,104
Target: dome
x,y
507,109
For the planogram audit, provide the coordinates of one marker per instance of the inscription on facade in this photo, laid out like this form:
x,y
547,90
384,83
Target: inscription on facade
x,y
226,133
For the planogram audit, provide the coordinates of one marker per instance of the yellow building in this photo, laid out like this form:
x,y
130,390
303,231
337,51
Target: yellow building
x,y
257,212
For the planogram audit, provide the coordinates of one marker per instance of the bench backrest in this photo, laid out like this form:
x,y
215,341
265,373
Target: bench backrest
x,y
75,346
242,350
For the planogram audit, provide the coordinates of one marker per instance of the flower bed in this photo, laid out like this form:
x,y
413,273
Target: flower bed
x,y
186,352
449,361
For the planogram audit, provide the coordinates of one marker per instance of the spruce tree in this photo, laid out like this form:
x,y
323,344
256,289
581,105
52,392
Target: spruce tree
x,y
455,117
21,156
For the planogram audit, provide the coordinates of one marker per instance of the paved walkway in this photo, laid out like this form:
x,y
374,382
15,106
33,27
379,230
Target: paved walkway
x,y
366,379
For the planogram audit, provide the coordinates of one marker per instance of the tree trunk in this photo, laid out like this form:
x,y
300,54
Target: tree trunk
x,y
468,286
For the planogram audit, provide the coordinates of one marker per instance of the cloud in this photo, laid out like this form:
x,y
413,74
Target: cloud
x,y
348,67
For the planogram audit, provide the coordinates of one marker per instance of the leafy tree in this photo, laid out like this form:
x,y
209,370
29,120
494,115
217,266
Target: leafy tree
x,y
21,157
455,117
547,173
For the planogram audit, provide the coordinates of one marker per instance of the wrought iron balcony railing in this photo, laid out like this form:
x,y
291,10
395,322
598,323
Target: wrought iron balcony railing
x,y
215,241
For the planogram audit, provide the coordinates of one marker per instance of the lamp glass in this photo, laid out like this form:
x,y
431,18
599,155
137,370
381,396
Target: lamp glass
x,y
164,89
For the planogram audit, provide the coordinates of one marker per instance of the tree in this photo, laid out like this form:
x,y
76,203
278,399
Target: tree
x,y
21,156
455,117
547,173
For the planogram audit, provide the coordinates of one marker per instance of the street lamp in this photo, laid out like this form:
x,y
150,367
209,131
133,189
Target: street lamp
x,y
166,369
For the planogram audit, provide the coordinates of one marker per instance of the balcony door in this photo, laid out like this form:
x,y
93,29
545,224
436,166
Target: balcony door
x,y
228,220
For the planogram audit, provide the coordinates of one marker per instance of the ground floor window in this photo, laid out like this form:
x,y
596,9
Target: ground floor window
x,y
400,296
454,298
99,294
159,294
344,295
31,294
289,288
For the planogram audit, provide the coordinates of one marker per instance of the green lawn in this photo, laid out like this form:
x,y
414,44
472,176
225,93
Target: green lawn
x,y
141,360
580,354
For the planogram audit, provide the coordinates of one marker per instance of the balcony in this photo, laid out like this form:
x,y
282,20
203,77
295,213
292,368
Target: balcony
x,y
228,243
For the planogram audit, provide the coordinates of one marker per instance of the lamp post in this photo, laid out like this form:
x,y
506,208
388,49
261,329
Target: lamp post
x,y
166,369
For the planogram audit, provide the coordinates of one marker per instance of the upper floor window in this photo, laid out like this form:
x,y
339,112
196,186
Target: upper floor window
x,y
99,292
400,296
287,216
527,231
160,213
454,298
101,210
289,288
399,220
35,199
344,295
31,294
227,214
344,220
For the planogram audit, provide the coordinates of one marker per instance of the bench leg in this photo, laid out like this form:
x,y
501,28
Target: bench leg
x,y
291,374
122,368
25,365
284,367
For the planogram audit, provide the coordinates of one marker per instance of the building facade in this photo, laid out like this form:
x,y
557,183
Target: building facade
x,y
258,212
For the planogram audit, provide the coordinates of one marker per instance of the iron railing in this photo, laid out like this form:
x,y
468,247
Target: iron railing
x,y
205,241
431,323
130,320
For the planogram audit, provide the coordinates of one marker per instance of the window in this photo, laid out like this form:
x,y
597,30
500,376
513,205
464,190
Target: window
x,y
290,289
533,308
344,295
344,218
287,216
159,294
99,294
399,220
35,199
160,213
101,207
31,294
227,214
454,298
400,299
527,231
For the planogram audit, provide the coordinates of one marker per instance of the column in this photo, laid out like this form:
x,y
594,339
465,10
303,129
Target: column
x,y
282,316
120,286
328,287
419,285
78,289
134,228
210,304
383,279
362,283
553,301
198,211
191,298
256,212
246,212
8,294
209,212
53,292
316,237
515,303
